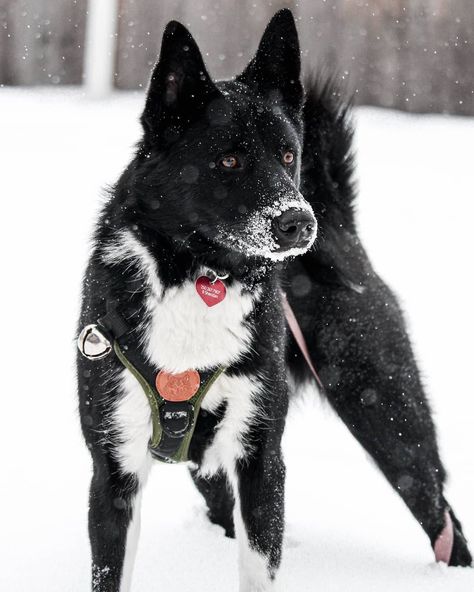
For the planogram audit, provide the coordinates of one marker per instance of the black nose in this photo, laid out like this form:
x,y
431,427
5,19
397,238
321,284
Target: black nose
x,y
294,228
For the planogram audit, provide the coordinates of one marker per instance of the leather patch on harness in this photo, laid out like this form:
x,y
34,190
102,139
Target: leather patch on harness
x,y
178,387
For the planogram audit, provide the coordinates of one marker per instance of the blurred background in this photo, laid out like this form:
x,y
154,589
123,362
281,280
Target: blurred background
x,y
413,55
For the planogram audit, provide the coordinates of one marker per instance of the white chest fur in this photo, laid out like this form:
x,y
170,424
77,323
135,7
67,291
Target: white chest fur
x,y
185,333
181,333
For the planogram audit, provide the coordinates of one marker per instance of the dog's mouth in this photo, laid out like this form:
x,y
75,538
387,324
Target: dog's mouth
x,y
276,232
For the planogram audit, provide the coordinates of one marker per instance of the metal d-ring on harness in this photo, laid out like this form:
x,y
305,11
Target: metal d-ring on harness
x,y
173,422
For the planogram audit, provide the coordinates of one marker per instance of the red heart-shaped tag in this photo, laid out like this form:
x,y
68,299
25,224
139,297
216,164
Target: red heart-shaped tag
x,y
211,292
177,387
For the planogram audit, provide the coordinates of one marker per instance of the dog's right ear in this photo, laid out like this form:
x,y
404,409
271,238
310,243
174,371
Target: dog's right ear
x,y
180,87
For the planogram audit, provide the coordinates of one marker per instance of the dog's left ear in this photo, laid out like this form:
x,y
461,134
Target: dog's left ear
x,y
275,69
180,87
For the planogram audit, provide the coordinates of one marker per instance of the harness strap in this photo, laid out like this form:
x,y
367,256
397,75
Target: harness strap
x,y
173,423
299,337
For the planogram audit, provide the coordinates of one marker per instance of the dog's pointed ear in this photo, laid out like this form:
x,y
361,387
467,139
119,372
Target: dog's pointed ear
x,y
275,69
180,87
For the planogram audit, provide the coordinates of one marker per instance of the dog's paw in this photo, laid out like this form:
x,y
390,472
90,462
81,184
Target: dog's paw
x,y
460,555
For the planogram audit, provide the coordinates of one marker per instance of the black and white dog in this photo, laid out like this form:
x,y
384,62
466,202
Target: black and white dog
x,y
186,351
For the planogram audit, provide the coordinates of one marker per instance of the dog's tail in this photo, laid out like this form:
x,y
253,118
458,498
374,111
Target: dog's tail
x,y
328,162
328,184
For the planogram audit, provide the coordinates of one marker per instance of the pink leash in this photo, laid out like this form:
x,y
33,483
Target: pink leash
x,y
443,546
299,337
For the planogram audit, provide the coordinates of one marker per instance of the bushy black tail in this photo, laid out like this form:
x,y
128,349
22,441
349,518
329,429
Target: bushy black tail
x,y
328,162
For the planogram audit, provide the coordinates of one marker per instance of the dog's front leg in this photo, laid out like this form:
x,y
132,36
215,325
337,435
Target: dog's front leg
x,y
114,522
259,518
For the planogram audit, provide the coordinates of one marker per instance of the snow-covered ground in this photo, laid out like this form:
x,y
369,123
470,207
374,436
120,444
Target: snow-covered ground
x,y
346,529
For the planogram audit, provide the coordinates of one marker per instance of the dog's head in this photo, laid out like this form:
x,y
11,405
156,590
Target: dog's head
x,y
219,164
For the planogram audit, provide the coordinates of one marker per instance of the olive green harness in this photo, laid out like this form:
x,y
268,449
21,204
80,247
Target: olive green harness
x,y
174,412
173,423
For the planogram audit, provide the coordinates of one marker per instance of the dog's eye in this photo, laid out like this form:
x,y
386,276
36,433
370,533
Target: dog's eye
x,y
288,157
229,162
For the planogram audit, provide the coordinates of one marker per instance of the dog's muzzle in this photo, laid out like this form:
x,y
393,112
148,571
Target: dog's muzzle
x,y
294,229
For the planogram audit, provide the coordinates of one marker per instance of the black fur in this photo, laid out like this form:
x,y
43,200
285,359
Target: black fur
x,y
174,200
173,196
355,330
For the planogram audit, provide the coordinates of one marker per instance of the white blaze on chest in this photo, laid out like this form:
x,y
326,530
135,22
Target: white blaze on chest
x,y
185,333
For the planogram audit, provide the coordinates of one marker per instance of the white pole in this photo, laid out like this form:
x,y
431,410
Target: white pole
x,y
100,44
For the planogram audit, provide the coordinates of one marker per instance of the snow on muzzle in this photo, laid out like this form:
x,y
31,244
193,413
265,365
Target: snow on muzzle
x,y
293,228
285,228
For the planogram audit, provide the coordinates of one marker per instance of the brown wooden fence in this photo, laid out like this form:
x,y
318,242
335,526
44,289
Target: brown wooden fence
x,y
415,55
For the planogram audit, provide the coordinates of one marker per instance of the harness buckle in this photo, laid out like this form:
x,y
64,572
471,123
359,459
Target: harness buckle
x,y
176,418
